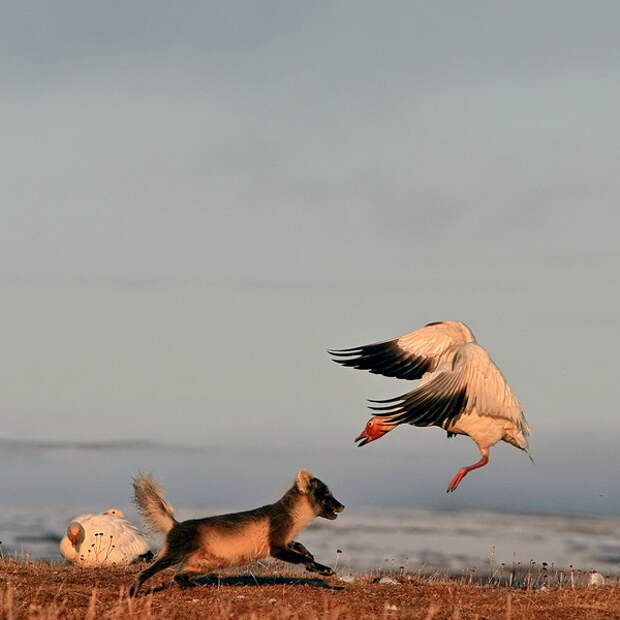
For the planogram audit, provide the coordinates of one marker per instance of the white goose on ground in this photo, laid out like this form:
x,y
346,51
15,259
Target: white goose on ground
x,y
104,540
461,389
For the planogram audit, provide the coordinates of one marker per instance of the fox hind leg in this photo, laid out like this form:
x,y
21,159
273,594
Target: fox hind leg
x,y
194,568
149,571
186,579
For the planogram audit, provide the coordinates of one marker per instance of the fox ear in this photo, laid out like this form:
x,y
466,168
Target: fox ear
x,y
303,480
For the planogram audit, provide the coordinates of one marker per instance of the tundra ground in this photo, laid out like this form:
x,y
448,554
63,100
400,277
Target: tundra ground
x,y
41,590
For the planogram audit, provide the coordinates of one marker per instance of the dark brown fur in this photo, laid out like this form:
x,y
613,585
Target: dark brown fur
x,y
199,546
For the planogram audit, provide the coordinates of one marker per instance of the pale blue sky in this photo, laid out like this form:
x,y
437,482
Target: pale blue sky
x,y
199,198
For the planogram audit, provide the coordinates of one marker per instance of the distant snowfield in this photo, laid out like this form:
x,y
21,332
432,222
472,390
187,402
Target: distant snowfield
x,y
45,484
417,539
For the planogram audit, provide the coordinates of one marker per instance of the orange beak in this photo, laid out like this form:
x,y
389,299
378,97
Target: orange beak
x,y
375,429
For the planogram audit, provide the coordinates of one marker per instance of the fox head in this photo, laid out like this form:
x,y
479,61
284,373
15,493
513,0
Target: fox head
x,y
320,497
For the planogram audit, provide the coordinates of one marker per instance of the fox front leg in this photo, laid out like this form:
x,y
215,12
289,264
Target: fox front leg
x,y
287,554
312,566
297,546
315,567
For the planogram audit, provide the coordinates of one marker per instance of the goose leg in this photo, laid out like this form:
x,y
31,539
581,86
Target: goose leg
x,y
461,473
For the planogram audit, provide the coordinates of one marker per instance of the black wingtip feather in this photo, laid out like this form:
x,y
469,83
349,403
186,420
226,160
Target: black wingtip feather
x,y
423,408
393,408
351,351
384,358
387,400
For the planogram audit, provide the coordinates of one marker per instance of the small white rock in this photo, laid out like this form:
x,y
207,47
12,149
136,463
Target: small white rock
x,y
273,601
347,578
388,581
390,607
596,579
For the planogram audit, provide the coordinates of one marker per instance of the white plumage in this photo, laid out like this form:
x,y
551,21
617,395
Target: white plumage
x,y
103,540
461,390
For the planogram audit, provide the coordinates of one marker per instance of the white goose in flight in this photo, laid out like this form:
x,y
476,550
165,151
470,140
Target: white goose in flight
x,y
461,389
104,540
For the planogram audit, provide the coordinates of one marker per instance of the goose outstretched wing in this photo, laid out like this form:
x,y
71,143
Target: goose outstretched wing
x,y
411,355
471,381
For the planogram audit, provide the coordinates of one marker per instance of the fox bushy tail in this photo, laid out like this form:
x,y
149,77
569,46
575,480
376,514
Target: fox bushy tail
x,y
149,498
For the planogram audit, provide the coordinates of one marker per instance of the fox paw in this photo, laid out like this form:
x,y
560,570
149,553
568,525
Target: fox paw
x,y
326,571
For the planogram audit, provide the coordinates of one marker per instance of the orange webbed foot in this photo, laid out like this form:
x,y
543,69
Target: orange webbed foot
x,y
457,480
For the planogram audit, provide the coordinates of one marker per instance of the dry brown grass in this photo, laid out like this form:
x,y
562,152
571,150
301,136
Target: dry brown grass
x,y
40,590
